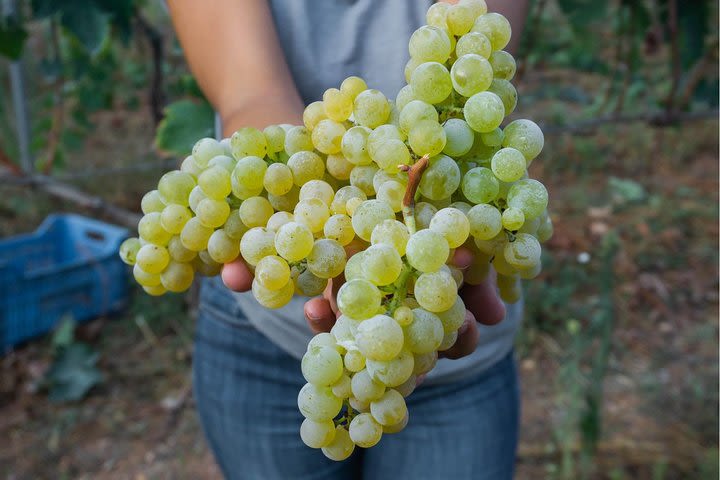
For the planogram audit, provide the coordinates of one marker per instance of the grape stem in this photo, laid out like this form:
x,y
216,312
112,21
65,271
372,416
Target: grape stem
x,y
415,172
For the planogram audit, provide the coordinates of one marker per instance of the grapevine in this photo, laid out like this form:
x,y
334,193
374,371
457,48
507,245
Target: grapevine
x,y
401,183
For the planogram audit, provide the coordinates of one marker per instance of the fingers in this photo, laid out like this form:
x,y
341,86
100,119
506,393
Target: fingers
x,y
462,258
237,276
467,341
319,314
483,301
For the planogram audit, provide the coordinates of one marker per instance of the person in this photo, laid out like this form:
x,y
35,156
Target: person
x,y
259,62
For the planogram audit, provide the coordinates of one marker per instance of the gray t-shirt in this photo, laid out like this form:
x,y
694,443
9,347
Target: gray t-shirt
x,y
324,42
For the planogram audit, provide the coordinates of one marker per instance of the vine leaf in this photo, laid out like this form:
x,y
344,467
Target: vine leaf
x,y
12,38
185,122
86,22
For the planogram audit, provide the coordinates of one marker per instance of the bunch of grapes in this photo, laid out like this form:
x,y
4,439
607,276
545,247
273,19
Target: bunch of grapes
x,y
377,192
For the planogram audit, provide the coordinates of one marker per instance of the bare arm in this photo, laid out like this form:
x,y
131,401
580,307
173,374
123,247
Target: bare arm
x,y
235,55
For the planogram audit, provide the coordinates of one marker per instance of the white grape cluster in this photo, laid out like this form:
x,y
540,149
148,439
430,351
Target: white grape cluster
x,y
377,192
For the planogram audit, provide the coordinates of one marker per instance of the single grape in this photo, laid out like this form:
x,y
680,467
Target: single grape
x,y
424,362
364,431
503,65
508,164
298,139
452,318
190,166
484,111
352,86
247,177
425,332
471,74
431,82
479,185
473,42
275,138
317,434
427,138
354,145
312,114
313,213
205,149
327,136
310,285
358,299
248,141
368,214
257,243
404,96
273,298
326,259
393,372
342,388
452,224
391,232
513,219
150,229
436,15
392,193
177,277
338,166
389,409
403,316
528,195
460,137
371,109
392,153
293,241
194,235
509,288
234,227
278,179
339,228
175,187
485,221
322,365
365,388
318,403
152,258
152,202
338,105
144,278
545,230
507,93
415,112
430,44
440,179
129,249
222,248
343,195
526,136
306,166
317,189
495,27
435,291
523,252
424,212
341,447
354,361
213,213
427,251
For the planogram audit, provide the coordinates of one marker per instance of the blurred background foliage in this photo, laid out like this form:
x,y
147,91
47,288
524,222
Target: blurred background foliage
x,y
618,355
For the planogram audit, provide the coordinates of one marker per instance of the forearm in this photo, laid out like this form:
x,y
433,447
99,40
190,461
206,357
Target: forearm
x,y
233,51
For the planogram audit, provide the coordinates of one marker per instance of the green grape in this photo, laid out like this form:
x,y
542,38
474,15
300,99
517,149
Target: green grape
x,y
278,179
322,365
343,195
152,258
430,44
213,213
528,195
427,251
398,427
341,447
284,203
485,221
424,212
484,112
338,105
222,248
364,387
150,229
354,361
354,145
410,67
206,266
377,138
382,264
425,332
129,249
144,278
381,176
406,388
424,362
545,230
532,226
317,434
513,219
479,185
353,86
298,139
392,153
526,136
247,142
391,232
427,138
371,109
306,166
475,43
275,138
393,372
415,112
403,316
195,235
234,227
508,164
404,96
368,214
436,15
345,329
494,138
452,224
460,18
436,291
358,299
448,341
318,403
174,217
327,258
293,241
189,166
507,93
313,113
392,193
247,177
352,205
495,27
327,136
509,288
452,318
431,82
339,228
257,243
342,388
471,74
178,252
313,213
364,431
379,338
273,298
325,339
317,189
310,285
223,161
152,202
389,409
503,65
338,166
155,291
177,277
204,150
523,252
196,195
462,206
459,137
175,187
440,179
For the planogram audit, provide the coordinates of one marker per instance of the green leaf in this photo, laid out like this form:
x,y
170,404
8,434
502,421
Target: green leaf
x,y
185,123
12,38
583,12
626,190
86,22
45,8
73,373
64,334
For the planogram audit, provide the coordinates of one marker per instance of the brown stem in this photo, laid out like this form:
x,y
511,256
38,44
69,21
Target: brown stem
x,y
58,105
415,172
156,94
674,54
7,163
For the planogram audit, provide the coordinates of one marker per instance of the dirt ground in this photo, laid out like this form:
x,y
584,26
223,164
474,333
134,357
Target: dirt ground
x,y
661,390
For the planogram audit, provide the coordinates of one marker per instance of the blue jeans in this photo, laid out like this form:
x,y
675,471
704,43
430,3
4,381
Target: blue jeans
x,y
246,389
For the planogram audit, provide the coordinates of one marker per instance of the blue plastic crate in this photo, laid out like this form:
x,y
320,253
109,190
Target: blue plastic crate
x,y
69,265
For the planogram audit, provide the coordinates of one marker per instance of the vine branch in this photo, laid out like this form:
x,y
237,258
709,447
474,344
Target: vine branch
x,y
415,172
